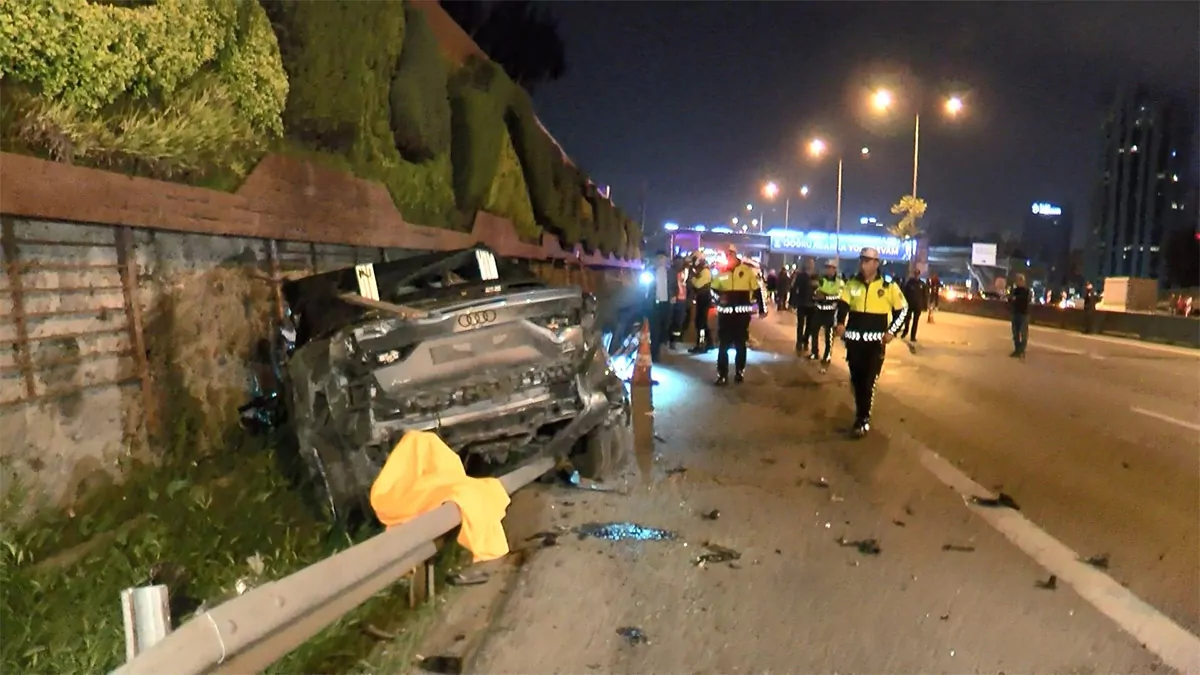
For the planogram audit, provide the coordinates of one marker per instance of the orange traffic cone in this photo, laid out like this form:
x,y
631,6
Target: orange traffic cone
x,y
641,370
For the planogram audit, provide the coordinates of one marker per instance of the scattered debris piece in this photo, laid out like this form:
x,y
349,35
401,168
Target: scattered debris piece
x,y
767,460
566,503
899,523
677,470
864,546
548,539
623,532
569,476
944,617
469,578
379,634
443,665
908,511
1002,500
1124,465
711,515
778,551
957,548
835,498
821,483
1100,561
802,466
635,636
716,554
1049,584
660,439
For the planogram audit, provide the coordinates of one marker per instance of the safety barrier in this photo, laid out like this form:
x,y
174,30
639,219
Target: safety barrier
x,y
254,630
1162,328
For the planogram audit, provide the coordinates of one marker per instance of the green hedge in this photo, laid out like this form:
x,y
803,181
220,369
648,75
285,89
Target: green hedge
x,y
420,107
479,97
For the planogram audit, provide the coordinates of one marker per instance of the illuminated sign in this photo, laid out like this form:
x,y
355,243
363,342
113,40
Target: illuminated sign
x,y
670,227
1044,209
849,245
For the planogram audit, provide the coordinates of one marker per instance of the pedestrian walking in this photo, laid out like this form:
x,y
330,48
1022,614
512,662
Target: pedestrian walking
x,y
1089,308
916,294
661,299
935,294
680,304
870,314
803,286
1019,299
784,289
738,293
825,299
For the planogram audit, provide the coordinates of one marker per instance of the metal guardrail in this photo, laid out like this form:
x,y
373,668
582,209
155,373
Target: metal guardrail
x,y
252,631
1164,329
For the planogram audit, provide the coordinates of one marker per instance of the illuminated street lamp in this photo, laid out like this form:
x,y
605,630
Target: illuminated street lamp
x,y
817,148
882,101
735,220
803,190
749,207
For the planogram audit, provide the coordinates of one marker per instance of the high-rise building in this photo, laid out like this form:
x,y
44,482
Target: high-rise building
x,y
1141,196
1046,240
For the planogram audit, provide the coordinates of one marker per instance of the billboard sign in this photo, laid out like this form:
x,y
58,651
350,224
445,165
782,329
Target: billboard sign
x,y
983,255
829,244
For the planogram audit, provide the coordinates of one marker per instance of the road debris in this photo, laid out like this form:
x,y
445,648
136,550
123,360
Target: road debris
x,y
768,460
1100,561
635,636
944,617
468,578
711,515
864,546
958,548
1001,501
899,523
677,470
836,498
716,554
1049,584
820,482
547,539
660,439
623,532
443,665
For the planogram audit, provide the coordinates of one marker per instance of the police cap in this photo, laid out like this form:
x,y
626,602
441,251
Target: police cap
x,y
830,262
869,253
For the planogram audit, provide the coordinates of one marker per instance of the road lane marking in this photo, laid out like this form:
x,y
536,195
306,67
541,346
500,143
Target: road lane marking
x,y
1166,418
1170,642
1175,645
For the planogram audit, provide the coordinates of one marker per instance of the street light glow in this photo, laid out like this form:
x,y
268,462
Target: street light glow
x,y
882,100
954,105
749,207
803,190
753,222
816,147
770,190
866,151
735,220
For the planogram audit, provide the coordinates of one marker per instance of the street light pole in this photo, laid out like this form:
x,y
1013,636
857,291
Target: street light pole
x,y
837,222
787,207
916,153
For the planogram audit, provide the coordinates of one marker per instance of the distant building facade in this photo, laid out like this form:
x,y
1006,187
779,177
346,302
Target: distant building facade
x,y
1046,240
1142,192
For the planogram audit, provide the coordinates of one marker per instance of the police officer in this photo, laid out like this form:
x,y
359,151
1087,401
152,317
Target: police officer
x,y
702,288
870,314
738,293
829,291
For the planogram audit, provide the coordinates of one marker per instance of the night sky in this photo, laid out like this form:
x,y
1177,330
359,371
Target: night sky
x,y
704,101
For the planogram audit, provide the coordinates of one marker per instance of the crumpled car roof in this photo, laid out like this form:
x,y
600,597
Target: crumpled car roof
x,y
417,279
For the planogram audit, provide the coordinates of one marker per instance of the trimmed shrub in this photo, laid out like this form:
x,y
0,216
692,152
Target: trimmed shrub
x,y
508,196
419,103
536,153
633,239
175,89
565,219
478,99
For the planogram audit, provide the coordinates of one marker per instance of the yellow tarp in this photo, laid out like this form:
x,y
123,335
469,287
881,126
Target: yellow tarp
x,y
421,474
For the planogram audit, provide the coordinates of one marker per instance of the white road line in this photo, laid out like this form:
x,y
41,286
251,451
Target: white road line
x,y
1122,342
1172,643
1166,418
1169,641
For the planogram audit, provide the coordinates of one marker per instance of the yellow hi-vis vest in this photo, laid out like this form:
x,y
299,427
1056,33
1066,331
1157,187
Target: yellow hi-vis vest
x,y
828,292
702,278
873,309
736,288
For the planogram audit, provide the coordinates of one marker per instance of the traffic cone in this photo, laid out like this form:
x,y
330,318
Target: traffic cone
x,y
641,370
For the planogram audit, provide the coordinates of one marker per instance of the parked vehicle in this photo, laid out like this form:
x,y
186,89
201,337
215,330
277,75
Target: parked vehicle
x,y
503,366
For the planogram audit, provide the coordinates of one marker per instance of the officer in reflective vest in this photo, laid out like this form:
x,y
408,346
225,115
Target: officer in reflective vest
x,y
870,314
829,291
702,288
738,293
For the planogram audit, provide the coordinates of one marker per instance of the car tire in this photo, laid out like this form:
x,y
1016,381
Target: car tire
x,y
333,479
605,450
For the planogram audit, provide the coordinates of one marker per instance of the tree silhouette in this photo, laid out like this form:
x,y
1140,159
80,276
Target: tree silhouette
x,y
910,209
520,35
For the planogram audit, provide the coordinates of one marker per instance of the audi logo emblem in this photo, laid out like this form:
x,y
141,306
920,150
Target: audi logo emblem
x,y
476,319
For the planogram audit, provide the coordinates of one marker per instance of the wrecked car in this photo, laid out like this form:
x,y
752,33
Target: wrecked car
x,y
501,365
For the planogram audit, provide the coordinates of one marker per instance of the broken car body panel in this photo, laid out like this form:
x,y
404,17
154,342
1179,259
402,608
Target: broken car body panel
x,y
502,366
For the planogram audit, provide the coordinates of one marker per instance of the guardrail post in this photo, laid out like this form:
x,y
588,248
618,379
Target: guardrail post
x,y
422,584
147,613
127,261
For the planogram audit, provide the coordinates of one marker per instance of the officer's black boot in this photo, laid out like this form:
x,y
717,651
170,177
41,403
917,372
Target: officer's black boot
x,y
721,380
739,377
861,427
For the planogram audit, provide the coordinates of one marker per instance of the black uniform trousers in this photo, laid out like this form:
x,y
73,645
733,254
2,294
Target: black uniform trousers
x,y
703,305
866,361
804,324
911,322
733,330
822,324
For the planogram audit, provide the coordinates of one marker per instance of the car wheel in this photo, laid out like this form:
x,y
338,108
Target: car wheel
x,y
605,450
334,481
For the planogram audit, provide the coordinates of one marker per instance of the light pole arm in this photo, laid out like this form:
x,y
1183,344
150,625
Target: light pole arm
x,y
916,153
837,223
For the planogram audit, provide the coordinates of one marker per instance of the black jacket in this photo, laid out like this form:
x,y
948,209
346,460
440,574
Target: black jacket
x,y
803,285
916,292
1019,299
672,285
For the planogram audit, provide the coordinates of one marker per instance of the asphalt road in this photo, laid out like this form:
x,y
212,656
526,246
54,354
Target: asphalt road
x,y
947,591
